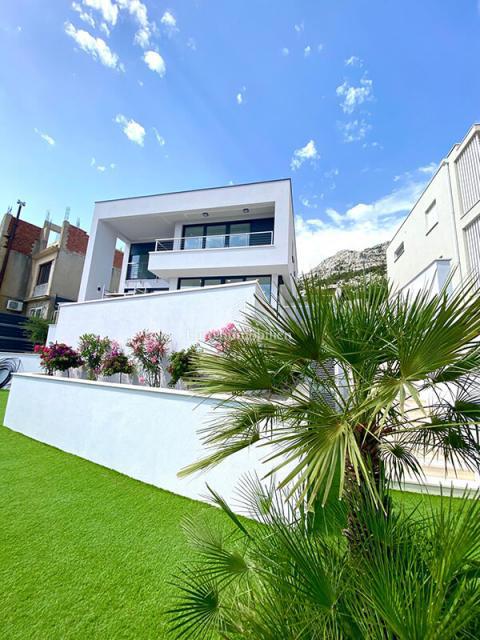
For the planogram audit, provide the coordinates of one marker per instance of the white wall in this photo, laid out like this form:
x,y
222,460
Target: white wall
x,y
186,315
147,434
423,247
29,362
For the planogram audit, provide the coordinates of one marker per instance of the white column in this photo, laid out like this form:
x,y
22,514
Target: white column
x,y
123,274
97,269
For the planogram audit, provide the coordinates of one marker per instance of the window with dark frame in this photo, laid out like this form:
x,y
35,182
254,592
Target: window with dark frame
x,y
44,272
219,235
400,250
265,282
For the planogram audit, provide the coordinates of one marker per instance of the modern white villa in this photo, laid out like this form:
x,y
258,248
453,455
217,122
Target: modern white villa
x,y
440,238
193,261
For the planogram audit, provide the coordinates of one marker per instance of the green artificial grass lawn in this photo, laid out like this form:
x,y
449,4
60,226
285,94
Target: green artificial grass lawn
x,y
86,552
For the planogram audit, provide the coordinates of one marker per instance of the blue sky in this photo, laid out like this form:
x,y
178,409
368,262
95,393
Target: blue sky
x,y
356,100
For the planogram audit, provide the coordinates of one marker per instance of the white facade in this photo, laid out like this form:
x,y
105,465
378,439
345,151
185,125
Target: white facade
x,y
440,238
194,238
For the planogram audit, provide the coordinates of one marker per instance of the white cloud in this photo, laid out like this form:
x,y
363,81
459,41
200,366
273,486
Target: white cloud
x,y
104,27
92,162
320,48
132,129
95,47
107,8
101,168
155,62
285,51
44,136
311,203
307,51
240,97
139,13
112,165
191,44
308,152
354,61
299,27
83,15
355,96
354,130
428,169
169,22
361,225
160,139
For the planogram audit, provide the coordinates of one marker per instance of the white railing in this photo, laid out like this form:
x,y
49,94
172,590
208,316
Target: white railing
x,y
220,241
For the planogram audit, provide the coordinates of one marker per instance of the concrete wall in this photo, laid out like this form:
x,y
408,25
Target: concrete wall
x,y
186,315
29,362
148,434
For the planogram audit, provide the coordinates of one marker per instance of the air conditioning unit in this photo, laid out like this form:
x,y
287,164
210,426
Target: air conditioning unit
x,y
14,305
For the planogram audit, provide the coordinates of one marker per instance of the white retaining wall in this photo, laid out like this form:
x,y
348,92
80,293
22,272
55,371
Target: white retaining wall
x,y
147,434
29,362
186,315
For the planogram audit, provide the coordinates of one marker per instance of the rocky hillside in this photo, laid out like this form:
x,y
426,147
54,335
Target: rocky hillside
x,y
349,266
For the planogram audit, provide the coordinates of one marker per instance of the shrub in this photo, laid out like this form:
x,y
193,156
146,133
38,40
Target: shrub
x,y
181,364
93,349
58,357
149,348
221,339
36,330
115,361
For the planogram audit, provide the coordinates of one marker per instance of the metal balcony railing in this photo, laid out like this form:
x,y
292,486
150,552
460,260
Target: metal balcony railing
x,y
217,241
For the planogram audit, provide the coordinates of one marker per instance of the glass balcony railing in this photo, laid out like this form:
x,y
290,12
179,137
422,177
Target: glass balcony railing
x,y
216,241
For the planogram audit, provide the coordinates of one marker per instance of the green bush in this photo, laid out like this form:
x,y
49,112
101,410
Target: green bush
x,y
36,330
181,364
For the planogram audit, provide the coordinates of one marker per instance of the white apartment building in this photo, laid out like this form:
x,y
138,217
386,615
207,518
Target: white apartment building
x,y
193,261
440,238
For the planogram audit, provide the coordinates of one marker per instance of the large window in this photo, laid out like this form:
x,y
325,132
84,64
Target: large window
x,y
138,261
216,235
265,282
44,272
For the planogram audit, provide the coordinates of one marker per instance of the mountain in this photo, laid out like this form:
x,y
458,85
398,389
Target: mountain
x,y
349,266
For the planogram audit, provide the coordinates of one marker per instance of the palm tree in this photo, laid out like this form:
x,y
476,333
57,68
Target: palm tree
x,y
416,577
343,388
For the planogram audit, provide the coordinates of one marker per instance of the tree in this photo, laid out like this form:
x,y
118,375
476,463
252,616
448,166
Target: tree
x,y
36,329
345,387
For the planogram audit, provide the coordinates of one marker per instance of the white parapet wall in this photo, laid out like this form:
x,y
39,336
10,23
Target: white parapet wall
x,y
29,362
186,315
147,434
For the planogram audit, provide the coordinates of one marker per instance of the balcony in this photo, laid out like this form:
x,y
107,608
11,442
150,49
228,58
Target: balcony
x,y
213,253
216,241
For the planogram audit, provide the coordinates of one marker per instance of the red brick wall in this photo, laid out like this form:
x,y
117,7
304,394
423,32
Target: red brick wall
x,y
118,259
77,240
26,235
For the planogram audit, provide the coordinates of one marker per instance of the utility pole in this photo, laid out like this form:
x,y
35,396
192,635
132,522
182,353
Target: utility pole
x,y
11,237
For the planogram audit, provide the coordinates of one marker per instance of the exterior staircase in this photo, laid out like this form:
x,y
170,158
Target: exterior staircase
x,y
12,334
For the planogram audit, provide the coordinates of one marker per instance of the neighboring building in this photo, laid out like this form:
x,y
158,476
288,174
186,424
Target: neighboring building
x,y
195,238
44,266
440,238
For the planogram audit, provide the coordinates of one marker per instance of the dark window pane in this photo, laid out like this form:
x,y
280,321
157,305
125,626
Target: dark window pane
x,y
138,261
215,236
186,283
193,237
209,282
239,234
44,272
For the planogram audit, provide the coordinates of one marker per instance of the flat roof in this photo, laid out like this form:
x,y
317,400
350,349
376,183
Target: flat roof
x,y
172,193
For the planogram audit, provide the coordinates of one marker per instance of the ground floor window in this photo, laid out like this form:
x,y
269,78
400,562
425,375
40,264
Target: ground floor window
x,y
36,312
265,282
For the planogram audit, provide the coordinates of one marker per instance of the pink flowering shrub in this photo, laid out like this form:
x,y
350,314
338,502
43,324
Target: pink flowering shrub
x,y
58,357
222,339
116,362
93,349
149,349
